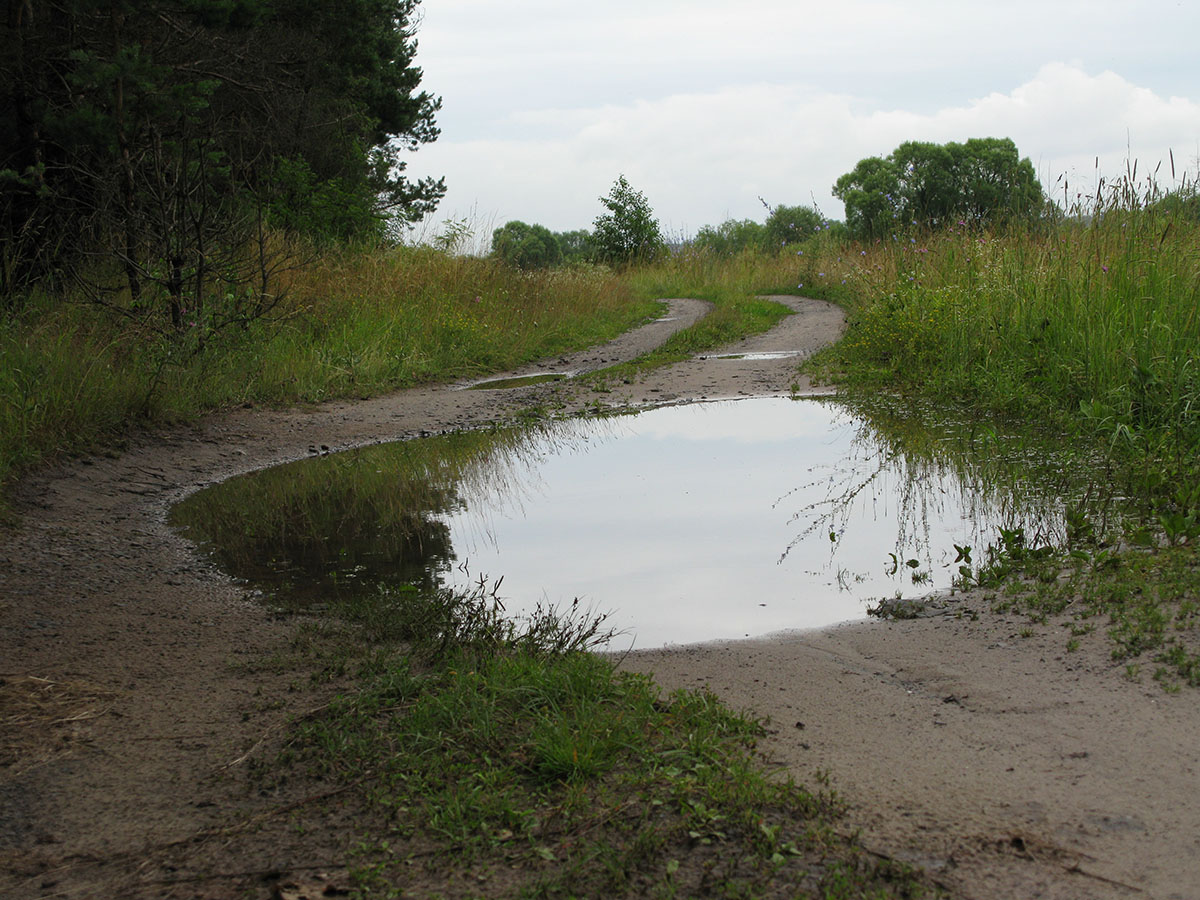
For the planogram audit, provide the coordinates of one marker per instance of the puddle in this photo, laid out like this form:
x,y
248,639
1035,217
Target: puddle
x,y
772,354
687,523
494,384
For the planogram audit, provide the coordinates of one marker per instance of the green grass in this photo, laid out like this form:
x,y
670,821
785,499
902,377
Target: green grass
x,y
511,763
1091,327
467,755
74,376
736,287
473,758
1145,601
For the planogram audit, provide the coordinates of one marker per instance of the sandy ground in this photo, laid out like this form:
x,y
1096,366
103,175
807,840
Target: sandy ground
x,y
1004,765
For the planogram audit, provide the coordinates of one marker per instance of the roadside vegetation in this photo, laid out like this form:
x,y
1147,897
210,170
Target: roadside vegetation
x,y
351,323
204,205
465,754
1078,326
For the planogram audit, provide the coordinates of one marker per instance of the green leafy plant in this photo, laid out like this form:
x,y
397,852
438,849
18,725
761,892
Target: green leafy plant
x,y
526,246
628,232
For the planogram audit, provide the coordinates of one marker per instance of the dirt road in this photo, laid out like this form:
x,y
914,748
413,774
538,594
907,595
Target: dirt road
x,y
1006,766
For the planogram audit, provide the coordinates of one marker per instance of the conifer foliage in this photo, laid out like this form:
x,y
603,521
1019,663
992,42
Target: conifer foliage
x,y
157,142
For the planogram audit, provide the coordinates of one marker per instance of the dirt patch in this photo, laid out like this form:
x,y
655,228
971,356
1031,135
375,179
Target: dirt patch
x,y
1006,766
41,718
998,762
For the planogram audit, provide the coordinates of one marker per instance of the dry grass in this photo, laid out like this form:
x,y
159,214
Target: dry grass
x,y
41,718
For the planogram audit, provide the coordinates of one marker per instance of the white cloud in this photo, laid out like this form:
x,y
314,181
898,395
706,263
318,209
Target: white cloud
x,y
704,156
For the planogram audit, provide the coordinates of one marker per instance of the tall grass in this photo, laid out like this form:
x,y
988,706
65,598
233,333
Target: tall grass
x,y
695,272
354,323
1092,321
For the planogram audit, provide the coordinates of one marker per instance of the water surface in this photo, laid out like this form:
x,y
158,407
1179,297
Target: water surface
x,y
686,523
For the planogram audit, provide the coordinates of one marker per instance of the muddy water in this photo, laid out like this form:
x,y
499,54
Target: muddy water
x,y
685,523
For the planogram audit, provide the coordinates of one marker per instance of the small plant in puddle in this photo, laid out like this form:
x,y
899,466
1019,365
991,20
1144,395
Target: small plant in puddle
x,y
1081,530
1014,556
897,607
435,621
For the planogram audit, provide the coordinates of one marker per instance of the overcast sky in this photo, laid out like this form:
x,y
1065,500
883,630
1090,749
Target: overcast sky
x,y
706,106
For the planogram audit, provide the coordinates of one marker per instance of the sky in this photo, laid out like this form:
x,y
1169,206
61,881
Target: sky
x,y
710,108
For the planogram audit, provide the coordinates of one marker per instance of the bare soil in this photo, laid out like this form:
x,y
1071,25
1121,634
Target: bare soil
x,y
1004,765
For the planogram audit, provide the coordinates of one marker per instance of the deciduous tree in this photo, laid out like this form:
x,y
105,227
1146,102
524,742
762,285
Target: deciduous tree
x,y
628,232
731,236
791,225
526,246
983,181
577,246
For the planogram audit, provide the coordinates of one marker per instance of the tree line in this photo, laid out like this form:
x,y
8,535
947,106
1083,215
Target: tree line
x,y
627,232
149,149
983,182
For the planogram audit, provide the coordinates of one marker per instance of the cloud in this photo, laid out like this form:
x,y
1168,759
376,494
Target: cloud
x,y
701,157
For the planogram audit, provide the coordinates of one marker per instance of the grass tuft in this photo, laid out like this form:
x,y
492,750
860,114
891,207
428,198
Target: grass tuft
x,y
533,769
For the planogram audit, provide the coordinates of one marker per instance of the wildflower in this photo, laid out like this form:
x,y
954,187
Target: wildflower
x,y
799,252
800,285
1104,269
820,274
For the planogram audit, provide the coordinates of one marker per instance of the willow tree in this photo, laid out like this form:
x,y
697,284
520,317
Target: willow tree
x,y
983,181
